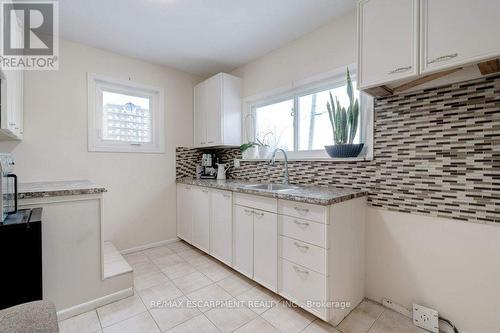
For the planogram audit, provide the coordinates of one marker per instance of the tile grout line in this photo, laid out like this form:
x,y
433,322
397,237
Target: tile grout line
x,y
184,295
233,272
147,310
378,317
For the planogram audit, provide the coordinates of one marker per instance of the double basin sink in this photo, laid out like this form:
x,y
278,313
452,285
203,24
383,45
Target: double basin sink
x,y
271,187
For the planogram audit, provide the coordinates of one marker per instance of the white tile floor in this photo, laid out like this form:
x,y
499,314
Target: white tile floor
x,y
178,273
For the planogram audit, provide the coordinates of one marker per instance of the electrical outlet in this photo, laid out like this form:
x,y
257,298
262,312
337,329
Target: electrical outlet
x,y
426,318
236,163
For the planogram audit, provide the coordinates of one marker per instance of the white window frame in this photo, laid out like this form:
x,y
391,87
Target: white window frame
x,y
96,84
305,87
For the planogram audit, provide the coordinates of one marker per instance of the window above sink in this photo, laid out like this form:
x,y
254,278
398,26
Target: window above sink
x,y
295,118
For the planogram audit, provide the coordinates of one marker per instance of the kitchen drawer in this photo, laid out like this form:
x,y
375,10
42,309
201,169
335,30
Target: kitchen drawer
x,y
303,210
304,230
307,255
302,286
258,202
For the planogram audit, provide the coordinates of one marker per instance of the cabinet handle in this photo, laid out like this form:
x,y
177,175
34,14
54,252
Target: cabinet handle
x,y
301,223
401,70
210,142
303,271
300,245
248,211
12,124
226,196
303,210
443,58
202,143
259,214
204,191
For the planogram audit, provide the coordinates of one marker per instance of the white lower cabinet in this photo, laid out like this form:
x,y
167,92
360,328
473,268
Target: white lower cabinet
x,y
303,286
256,239
243,240
265,253
221,229
201,218
184,212
321,256
310,254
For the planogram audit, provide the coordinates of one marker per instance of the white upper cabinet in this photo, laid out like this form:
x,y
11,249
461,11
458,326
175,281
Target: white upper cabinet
x,y
387,41
200,116
458,32
217,111
12,97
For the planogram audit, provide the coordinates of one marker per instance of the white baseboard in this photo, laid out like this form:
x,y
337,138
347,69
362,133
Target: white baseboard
x,y
148,246
94,304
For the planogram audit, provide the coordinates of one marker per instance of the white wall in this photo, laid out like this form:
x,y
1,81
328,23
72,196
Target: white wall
x,y
448,265
326,49
139,207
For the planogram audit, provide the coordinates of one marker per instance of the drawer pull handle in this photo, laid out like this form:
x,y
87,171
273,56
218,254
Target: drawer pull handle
x,y
204,191
298,270
400,70
226,196
443,58
259,214
301,246
248,211
301,223
301,210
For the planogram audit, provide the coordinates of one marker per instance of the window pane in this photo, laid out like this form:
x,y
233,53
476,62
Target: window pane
x,y
275,124
315,130
126,118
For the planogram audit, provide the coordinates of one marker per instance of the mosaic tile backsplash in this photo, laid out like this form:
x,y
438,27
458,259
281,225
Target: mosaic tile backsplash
x,y
436,152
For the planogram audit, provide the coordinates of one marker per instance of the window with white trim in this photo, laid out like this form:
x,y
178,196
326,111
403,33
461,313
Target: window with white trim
x,y
297,120
124,116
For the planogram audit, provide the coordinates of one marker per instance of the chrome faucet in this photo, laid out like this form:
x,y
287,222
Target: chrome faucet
x,y
286,179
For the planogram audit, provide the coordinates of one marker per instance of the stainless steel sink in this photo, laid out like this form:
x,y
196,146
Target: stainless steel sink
x,y
271,187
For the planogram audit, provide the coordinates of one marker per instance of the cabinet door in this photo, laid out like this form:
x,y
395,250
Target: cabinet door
x,y
213,110
200,125
20,105
265,262
387,41
11,101
458,32
184,212
243,240
221,229
200,206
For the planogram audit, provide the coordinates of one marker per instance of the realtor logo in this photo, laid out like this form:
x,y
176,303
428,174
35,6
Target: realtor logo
x,y
29,35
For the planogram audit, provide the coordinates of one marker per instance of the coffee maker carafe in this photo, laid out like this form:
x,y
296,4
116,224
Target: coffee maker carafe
x,y
209,168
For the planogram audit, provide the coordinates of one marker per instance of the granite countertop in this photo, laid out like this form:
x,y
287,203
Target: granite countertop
x,y
55,189
318,195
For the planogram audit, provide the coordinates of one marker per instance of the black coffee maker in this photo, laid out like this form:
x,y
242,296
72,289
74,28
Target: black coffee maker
x,y
209,166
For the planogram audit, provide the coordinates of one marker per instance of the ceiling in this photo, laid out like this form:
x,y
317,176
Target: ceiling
x,y
202,37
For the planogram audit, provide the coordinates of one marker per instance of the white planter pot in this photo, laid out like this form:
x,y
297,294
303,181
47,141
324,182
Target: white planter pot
x,y
264,152
250,153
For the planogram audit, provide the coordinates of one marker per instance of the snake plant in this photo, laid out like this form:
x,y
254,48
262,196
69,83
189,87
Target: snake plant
x,y
344,121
